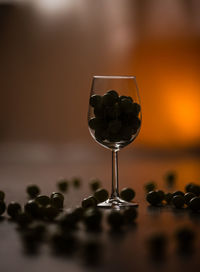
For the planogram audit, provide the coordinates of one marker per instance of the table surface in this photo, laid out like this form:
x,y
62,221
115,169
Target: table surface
x,y
123,251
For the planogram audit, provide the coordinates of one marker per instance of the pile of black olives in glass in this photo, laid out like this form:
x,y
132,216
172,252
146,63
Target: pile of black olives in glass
x,y
178,199
116,117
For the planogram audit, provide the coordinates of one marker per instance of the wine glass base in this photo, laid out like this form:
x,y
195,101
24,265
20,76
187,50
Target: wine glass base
x,y
116,203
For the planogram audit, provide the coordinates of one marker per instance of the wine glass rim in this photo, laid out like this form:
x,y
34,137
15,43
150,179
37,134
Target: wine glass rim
x,y
114,77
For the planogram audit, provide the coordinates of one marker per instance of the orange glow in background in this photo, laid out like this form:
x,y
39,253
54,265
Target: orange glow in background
x,y
50,51
170,90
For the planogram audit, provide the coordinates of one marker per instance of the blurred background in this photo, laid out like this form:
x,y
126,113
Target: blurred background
x,y
49,51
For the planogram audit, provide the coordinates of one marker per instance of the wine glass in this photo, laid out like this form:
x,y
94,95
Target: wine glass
x,y
114,120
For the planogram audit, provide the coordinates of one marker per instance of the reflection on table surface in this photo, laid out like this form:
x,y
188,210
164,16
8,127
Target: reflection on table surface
x,y
127,250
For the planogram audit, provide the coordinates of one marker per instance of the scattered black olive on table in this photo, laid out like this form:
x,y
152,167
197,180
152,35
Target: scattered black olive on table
x,y
40,210
189,199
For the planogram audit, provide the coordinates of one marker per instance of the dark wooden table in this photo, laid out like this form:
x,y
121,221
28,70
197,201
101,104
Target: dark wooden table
x,y
123,251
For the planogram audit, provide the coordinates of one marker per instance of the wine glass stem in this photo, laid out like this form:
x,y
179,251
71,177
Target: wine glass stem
x,y
115,189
